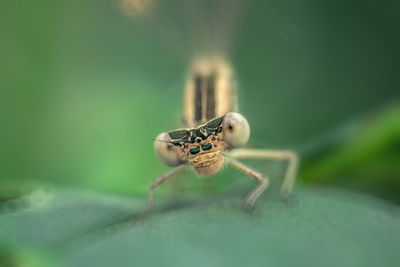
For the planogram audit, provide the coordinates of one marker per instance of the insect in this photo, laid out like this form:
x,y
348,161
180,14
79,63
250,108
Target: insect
x,y
215,132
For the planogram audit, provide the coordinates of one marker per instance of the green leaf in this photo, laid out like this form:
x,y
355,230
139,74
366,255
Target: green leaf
x,y
317,227
367,157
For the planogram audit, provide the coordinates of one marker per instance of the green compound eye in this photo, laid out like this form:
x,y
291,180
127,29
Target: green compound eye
x,y
206,147
195,150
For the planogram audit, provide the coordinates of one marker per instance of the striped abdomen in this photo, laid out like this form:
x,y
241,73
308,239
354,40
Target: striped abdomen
x,y
210,92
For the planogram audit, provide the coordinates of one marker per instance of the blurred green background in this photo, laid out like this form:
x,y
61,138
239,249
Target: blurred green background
x,y
86,85
85,88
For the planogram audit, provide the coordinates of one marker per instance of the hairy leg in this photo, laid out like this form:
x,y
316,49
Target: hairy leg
x,y
291,156
171,174
255,194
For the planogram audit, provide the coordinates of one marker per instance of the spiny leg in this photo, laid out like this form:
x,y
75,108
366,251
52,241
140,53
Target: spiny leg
x,y
171,174
255,194
291,156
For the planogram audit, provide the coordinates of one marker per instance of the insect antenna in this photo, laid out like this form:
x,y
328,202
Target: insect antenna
x,y
170,142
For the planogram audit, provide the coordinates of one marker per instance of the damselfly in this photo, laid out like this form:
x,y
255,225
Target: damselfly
x,y
215,132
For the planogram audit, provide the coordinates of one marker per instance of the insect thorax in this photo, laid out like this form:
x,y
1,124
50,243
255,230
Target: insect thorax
x,y
210,91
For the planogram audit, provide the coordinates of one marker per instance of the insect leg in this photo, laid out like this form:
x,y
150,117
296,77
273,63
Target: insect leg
x,y
171,174
291,156
253,195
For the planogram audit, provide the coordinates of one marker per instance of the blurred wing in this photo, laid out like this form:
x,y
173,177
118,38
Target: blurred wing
x,y
188,27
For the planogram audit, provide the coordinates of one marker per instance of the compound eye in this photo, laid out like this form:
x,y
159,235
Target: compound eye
x,y
236,129
166,151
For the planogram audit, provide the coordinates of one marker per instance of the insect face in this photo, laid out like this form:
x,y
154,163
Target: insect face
x,y
205,154
202,146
